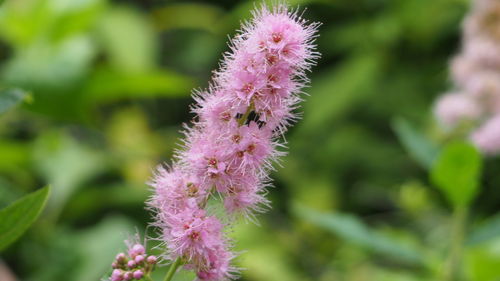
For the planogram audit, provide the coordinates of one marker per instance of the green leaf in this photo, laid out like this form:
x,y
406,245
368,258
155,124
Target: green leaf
x,y
419,147
350,228
486,231
456,173
17,217
8,193
10,98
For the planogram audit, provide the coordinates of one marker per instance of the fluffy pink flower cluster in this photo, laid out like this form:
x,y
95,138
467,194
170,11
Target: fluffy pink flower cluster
x,y
230,148
476,74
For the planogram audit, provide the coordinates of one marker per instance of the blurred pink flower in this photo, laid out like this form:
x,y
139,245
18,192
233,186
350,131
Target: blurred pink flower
x,y
487,137
476,74
452,108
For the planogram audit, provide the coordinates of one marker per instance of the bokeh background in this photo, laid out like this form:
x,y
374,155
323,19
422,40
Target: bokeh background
x,y
109,87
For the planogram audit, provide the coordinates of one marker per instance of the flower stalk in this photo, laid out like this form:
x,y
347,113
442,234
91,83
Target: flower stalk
x,y
172,270
453,262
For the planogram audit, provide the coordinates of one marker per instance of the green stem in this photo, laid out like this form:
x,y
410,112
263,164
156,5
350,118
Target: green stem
x,y
457,235
172,270
148,278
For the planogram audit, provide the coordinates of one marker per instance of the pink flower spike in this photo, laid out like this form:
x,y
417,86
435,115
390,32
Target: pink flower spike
x,y
233,142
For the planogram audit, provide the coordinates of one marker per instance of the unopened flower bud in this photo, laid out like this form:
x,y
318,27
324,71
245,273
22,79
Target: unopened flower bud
x,y
136,250
120,258
128,276
131,264
151,259
138,274
138,259
117,275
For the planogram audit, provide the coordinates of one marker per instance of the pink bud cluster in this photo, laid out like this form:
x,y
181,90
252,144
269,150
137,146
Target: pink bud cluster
x,y
475,102
230,149
133,266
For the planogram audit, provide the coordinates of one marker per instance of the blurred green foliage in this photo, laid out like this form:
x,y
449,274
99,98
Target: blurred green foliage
x,y
109,84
